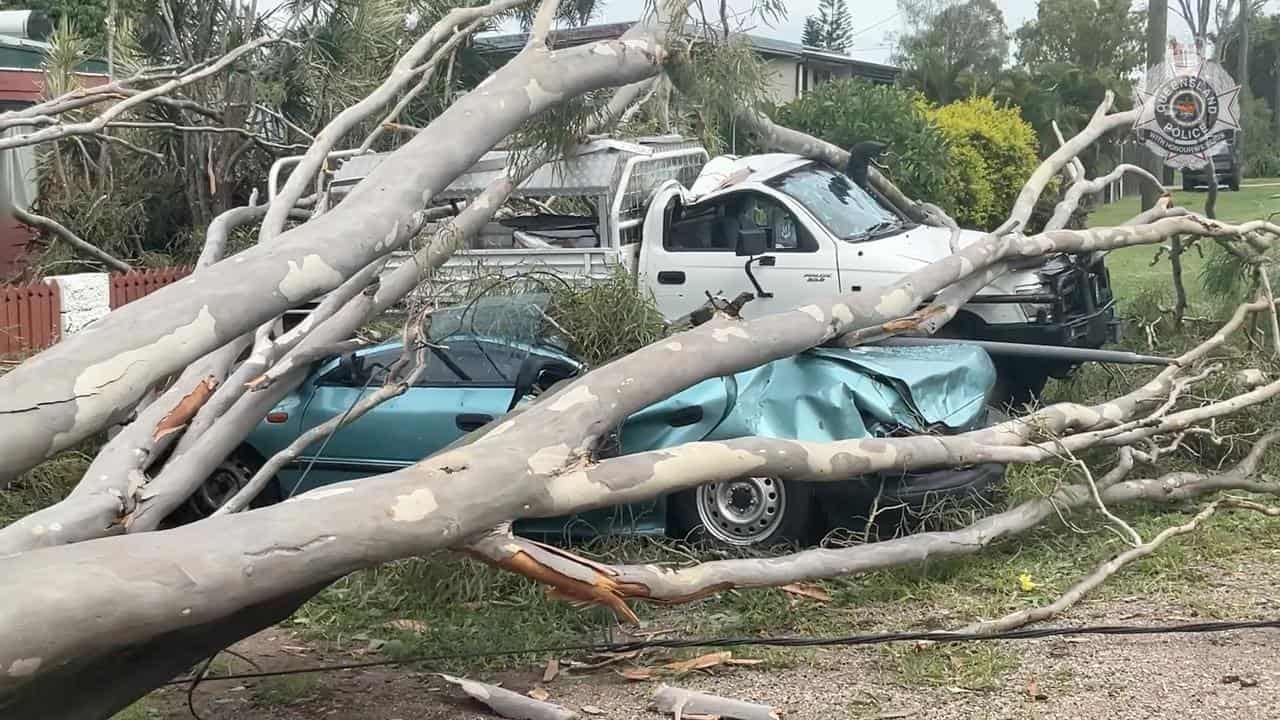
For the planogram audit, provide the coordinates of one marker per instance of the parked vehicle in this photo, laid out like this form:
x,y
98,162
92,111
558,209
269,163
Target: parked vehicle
x,y
783,227
1225,166
492,355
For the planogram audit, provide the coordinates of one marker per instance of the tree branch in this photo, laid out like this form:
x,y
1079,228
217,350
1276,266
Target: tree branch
x,y
47,224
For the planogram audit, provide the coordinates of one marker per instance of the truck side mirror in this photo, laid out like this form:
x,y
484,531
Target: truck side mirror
x,y
752,242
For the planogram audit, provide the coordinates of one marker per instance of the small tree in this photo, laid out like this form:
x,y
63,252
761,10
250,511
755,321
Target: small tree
x,y
831,28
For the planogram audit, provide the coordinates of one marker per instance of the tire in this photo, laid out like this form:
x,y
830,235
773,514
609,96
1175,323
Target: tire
x,y
745,513
1015,387
229,477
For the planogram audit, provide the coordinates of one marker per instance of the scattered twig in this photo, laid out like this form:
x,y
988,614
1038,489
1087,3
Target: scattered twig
x,y
683,703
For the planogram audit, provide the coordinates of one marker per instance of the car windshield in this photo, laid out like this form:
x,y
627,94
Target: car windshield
x,y
518,319
848,211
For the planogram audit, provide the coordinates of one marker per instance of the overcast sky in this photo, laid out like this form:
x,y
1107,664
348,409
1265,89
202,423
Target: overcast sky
x,y
874,21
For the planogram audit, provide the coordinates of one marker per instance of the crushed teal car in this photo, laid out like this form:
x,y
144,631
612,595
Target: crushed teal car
x,y
488,357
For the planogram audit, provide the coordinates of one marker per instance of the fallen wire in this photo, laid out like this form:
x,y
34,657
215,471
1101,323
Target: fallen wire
x,y
724,642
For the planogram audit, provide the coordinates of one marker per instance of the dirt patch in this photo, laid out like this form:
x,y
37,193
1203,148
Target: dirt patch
x,y
1234,675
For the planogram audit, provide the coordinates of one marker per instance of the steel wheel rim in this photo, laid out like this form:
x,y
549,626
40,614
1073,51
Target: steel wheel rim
x,y
743,511
227,479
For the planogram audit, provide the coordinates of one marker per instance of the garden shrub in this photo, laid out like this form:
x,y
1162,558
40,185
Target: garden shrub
x,y
971,157
992,153
845,112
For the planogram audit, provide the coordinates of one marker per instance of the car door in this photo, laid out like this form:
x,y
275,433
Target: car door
x,y
682,258
468,382
691,251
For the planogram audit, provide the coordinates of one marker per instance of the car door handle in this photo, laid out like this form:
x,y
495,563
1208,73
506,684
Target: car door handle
x,y
671,277
472,421
685,416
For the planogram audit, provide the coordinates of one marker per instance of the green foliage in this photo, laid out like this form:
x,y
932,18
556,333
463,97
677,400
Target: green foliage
x,y
952,51
845,112
1264,57
717,79
992,151
831,28
1106,36
1069,56
1260,148
606,319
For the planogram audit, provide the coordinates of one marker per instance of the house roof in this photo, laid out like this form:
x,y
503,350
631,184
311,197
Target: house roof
x,y
769,47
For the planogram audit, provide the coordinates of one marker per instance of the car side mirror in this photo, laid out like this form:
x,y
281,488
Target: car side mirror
x,y
351,369
752,242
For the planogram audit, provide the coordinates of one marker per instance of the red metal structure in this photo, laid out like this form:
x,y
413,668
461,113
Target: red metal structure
x,y
127,287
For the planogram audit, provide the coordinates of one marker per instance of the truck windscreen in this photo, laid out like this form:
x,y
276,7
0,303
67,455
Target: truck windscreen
x,y
845,209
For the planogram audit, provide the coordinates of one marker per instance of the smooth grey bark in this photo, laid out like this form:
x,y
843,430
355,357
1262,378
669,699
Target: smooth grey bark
x,y
401,74
75,388
1157,40
510,704
340,315
680,702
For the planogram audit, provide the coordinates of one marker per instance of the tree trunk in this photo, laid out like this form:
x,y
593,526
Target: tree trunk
x,y
1157,40
92,378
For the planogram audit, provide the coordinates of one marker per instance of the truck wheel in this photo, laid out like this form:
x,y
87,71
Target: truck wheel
x,y
1015,388
745,512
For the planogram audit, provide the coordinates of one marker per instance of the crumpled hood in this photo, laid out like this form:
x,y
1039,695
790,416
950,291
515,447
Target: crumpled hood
x,y
826,394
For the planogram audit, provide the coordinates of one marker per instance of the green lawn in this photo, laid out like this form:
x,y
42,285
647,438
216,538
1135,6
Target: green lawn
x,y
1131,269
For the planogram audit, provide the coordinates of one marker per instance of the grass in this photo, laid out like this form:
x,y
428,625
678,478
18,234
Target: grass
x,y
285,689
1133,267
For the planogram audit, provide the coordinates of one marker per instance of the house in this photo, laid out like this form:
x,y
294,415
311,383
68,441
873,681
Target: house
x,y
794,68
22,56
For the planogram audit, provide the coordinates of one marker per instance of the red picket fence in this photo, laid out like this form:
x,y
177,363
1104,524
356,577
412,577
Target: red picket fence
x,y
30,316
129,286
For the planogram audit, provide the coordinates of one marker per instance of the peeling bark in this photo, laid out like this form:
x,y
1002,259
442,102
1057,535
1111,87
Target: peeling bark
x,y
510,704
680,702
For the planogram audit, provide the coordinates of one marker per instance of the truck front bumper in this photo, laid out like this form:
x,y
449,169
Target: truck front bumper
x,y
1091,331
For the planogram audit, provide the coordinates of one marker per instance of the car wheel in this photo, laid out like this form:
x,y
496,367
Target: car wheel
x,y
745,512
232,475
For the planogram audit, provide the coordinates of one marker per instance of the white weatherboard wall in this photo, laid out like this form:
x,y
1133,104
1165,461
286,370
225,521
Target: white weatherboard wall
x,y
85,298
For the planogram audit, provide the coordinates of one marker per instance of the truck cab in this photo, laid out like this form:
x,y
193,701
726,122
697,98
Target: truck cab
x,y
821,234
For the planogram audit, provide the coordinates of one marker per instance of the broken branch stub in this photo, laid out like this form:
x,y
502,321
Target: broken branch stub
x,y
682,703
510,704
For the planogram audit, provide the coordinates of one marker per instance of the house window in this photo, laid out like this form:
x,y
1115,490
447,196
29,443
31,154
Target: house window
x,y
821,77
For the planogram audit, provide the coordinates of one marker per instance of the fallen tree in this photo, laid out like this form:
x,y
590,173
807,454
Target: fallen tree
x,y
101,606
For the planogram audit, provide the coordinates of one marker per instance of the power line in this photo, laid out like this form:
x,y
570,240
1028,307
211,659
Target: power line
x,y
784,641
875,25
